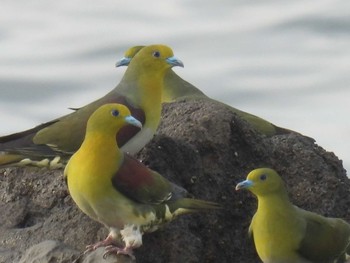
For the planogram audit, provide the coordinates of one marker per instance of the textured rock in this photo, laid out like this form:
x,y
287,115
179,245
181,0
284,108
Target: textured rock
x,y
201,146
49,251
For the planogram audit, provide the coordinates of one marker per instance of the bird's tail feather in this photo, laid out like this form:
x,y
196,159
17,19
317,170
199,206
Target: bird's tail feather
x,y
188,205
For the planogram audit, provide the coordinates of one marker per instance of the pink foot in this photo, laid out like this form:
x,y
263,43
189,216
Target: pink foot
x,y
112,249
107,242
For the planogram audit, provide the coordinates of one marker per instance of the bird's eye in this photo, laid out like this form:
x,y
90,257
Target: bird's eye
x,y
115,113
263,177
156,54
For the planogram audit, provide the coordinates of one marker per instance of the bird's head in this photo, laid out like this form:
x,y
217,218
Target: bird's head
x,y
262,181
128,56
111,118
153,59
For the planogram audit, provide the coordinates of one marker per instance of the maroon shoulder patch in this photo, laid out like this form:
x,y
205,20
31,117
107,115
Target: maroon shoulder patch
x,y
132,178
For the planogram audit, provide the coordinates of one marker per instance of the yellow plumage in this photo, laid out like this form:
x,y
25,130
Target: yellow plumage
x,y
284,233
117,190
89,172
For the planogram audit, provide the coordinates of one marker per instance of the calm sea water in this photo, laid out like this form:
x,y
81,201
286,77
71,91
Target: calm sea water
x,y
286,61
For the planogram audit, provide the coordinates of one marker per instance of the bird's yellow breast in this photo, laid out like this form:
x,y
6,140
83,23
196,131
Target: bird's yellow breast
x,y
89,173
277,233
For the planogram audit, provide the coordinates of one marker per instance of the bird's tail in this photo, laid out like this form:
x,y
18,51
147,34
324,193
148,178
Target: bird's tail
x,y
188,205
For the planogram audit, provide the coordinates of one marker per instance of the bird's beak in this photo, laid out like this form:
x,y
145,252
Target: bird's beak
x,y
174,61
131,120
244,184
124,61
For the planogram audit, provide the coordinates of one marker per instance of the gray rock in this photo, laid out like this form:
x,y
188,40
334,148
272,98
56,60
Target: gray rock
x,y
49,251
200,145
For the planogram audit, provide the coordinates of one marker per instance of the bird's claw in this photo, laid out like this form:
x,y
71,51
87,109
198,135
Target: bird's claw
x,y
111,249
105,243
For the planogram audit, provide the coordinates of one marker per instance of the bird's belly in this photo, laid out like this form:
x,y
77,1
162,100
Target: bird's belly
x,y
270,242
116,211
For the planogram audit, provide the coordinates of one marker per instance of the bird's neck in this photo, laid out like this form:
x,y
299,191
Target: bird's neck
x,y
100,147
148,95
150,87
143,88
274,201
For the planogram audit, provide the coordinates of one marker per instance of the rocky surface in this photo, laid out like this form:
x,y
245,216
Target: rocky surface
x,y
201,146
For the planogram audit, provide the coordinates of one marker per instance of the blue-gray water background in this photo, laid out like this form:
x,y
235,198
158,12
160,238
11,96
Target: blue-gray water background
x,y
286,61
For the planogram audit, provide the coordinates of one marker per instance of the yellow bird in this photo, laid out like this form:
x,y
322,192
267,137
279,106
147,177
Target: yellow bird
x,y
140,90
175,89
119,191
284,233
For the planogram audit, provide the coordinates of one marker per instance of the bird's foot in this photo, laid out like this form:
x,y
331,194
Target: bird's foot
x,y
109,241
112,249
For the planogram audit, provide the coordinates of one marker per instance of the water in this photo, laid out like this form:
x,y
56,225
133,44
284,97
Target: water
x,y
286,61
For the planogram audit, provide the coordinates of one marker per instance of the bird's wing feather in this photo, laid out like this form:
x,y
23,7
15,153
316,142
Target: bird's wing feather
x,y
18,135
65,135
141,184
325,239
22,143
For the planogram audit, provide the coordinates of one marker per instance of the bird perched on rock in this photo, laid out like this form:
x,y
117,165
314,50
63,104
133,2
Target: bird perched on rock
x,y
119,191
140,89
176,89
285,233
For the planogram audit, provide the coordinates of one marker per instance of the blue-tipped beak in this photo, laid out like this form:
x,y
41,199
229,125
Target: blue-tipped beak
x,y
173,61
131,120
124,61
244,185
